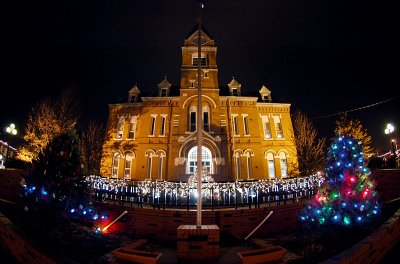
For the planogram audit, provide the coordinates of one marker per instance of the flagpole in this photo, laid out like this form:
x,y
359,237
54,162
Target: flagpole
x,y
199,123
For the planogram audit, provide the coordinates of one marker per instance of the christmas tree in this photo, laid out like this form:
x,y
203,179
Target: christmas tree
x,y
56,180
348,197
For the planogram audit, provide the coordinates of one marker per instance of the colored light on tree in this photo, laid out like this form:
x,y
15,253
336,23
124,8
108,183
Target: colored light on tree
x,y
348,196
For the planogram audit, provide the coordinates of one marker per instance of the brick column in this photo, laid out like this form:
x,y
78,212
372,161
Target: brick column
x,y
197,244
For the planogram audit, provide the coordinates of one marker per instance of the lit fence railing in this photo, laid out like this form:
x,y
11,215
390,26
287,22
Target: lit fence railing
x,y
164,194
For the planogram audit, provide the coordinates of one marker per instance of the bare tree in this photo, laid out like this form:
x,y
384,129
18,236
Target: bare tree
x,y
48,118
91,147
310,150
353,128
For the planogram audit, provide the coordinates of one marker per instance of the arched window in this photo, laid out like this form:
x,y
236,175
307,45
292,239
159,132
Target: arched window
x,y
271,165
149,155
206,118
238,170
249,155
128,165
192,118
115,164
206,160
283,160
161,156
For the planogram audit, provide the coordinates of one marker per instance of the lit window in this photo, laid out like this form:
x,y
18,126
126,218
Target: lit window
x,y
152,125
271,165
206,159
132,127
128,164
266,127
246,125
278,127
115,164
162,132
283,164
120,127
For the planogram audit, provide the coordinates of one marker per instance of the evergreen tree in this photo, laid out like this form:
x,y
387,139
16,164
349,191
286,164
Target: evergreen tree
x,y
57,179
348,197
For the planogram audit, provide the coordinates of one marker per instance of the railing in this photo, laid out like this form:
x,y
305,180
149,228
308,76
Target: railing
x,y
164,194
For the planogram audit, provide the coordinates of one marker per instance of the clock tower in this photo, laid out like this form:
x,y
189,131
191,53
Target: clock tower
x,y
190,60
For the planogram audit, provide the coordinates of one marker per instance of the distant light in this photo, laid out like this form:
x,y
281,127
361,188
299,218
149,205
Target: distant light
x,y
389,129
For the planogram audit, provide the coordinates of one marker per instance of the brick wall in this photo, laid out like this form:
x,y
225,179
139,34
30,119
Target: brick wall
x,y
163,224
10,180
18,246
388,183
374,247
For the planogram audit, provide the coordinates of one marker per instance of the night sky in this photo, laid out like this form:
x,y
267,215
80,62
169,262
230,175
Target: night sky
x,y
321,56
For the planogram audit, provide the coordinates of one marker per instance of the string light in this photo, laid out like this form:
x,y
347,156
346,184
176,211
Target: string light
x,y
349,195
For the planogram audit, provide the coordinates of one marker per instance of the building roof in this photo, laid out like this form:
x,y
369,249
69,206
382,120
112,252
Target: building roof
x,y
195,28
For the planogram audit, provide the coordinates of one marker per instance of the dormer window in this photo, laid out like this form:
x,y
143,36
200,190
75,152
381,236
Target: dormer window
x,y
133,94
234,87
163,92
164,87
234,92
265,94
195,60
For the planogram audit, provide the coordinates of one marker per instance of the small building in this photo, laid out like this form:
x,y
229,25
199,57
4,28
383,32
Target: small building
x,y
4,148
154,136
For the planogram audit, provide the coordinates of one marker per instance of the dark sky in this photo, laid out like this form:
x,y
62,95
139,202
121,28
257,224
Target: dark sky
x,y
321,56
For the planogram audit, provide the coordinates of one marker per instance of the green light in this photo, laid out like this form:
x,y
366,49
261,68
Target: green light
x,y
346,220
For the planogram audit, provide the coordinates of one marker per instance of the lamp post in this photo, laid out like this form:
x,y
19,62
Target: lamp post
x,y
389,130
11,130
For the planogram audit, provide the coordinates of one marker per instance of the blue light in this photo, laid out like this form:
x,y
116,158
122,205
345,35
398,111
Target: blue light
x,y
95,217
338,163
374,211
318,211
350,142
343,204
72,210
84,212
359,218
302,218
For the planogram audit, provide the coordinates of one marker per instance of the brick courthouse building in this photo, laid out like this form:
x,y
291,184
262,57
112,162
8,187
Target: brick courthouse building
x,y
154,137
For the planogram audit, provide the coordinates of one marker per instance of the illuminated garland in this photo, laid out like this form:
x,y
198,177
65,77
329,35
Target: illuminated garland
x,y
183,189
348,197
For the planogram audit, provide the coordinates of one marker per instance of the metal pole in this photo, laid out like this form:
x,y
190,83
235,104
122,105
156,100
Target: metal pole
x,y
199,122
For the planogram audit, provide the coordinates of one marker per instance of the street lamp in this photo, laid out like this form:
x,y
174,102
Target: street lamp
x,y
389,130
12,131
